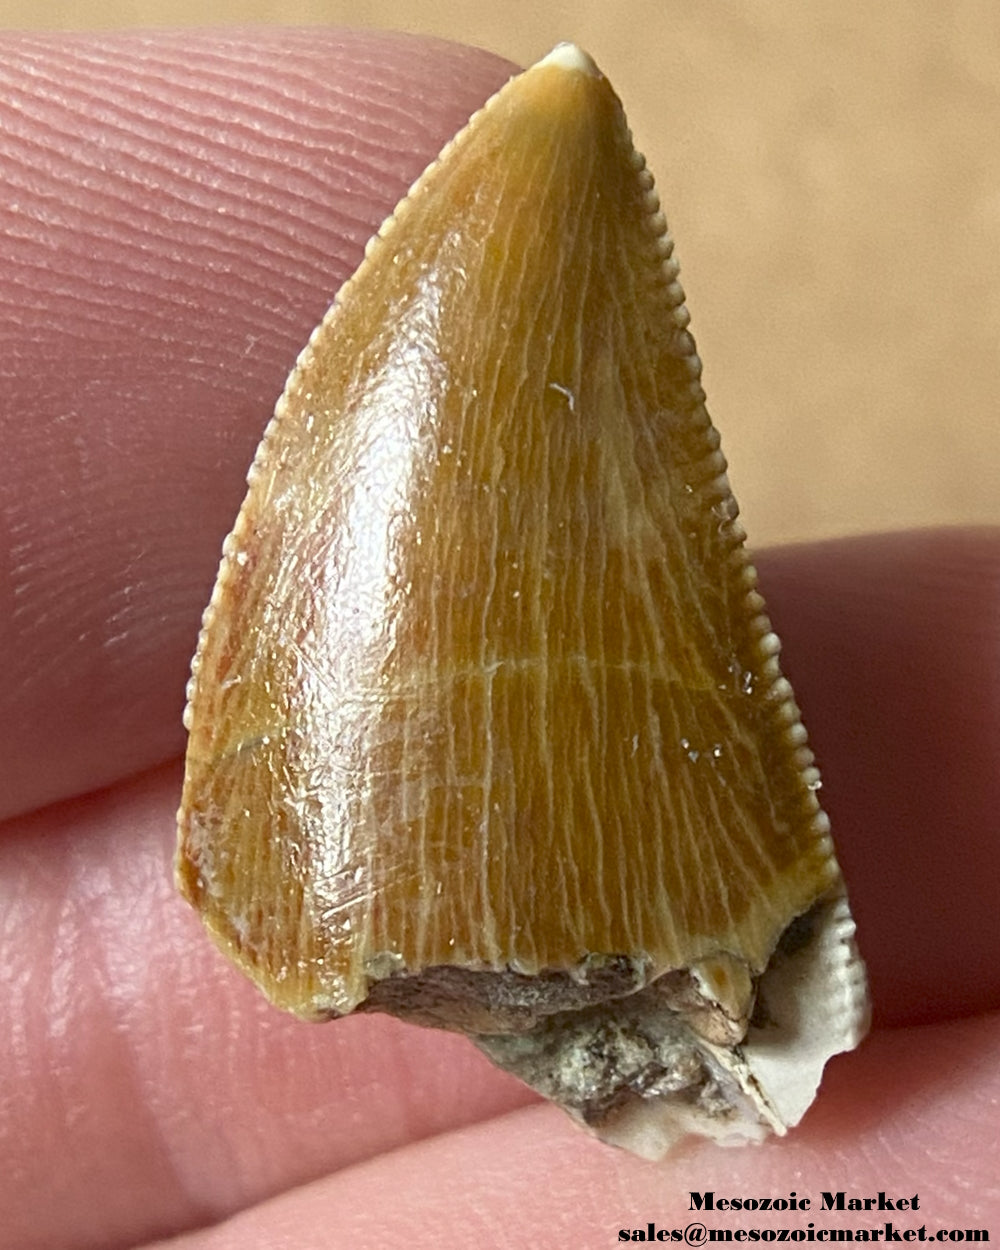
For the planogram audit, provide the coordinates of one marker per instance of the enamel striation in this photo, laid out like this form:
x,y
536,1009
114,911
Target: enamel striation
x,y
487,725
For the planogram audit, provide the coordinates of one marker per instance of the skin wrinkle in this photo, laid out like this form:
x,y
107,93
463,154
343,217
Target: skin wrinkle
x,y
784,576
80,1023
508,1154
372,93
166,385
114,975
140,914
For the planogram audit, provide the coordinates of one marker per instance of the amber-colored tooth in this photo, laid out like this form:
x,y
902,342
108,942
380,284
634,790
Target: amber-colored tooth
x,y
486,721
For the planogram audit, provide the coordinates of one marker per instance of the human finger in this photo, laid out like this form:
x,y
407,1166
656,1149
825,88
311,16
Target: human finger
x,y
101,959
893,1119
178,211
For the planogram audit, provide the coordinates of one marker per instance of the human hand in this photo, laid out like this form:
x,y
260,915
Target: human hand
x,y
181,209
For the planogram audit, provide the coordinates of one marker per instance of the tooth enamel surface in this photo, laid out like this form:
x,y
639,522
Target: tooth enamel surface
x,y
487,726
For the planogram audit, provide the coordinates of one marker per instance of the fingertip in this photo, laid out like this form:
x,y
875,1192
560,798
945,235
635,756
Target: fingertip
x,y
184,206
893,647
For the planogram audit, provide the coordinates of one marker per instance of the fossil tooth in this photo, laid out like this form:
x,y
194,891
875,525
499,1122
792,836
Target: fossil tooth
x,y
487,727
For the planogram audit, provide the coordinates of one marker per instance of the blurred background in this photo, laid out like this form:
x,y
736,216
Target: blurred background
x,y
831,172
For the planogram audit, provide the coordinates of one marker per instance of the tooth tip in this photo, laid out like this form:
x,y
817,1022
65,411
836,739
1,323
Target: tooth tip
x,y
570,57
